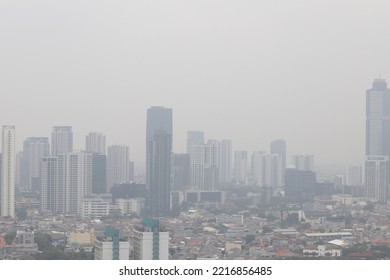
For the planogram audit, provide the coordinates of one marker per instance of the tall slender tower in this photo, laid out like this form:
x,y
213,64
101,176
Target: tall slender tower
x,y
61,140
8,172
95,142
377,140
117,165
158,158
279,147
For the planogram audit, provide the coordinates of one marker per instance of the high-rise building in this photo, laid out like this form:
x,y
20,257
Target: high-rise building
x,y
99,173
65,180
240,166
8,172
117,165
194,138
150,243
300,185
61,140
34,149
377,140
160,149
95,142
204,170
267,169
376,177
279,147
355,175
225,161
158,158
181,172
303,162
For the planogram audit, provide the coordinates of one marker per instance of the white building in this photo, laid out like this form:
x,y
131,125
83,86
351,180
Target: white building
x,y
117,165
95,142
240,166
376,177
111,246
225,161
267,170
94,207
303,162
65,180
150,243
203,163
8,172
128,206
61,140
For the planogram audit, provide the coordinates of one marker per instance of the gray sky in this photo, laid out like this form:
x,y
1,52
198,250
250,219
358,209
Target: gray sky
x,y
251,71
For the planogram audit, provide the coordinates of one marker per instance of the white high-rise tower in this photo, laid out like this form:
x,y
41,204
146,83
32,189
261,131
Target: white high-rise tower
x,y
8,172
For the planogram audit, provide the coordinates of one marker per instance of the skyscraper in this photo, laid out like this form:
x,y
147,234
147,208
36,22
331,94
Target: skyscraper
x,y
95,142
279,147
158,158
225,161
240,166
204,170
61,140
194,138
160,149
303,162
65,180
267,169
8,172
117,165
377,140
34,149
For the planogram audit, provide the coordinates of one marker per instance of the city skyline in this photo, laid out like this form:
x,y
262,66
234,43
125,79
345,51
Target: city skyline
x,y
251,72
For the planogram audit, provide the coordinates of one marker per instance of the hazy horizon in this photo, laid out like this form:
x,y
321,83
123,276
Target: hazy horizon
x,y
249,71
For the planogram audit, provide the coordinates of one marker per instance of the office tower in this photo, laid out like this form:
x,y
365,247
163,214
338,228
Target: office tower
x,y
160,149
65,180
355,175
150,243
194,138
376,177
18,172
117,165
225,161
95,142
181,172
111,246
279,147
240,166
267,169
303,162
34,149
61,140
377,140
99,173
204,170
131,171
8,172
158,159
299,185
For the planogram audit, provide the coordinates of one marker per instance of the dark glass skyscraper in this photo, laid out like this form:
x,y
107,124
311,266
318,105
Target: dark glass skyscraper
x,y
377,140
158,159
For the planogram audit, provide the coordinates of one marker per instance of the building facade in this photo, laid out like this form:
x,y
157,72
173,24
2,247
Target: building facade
x,y
8,172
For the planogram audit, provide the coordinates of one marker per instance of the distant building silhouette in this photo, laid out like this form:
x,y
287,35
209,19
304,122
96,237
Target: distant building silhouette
x,y
117,165
158,159
61,140
194,138
279,147
95,142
